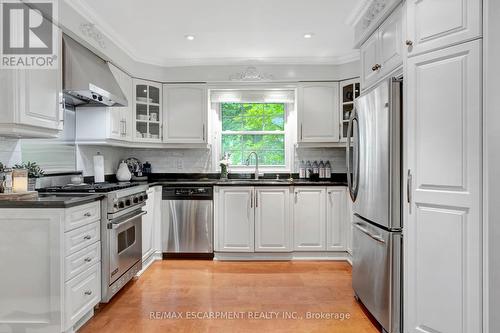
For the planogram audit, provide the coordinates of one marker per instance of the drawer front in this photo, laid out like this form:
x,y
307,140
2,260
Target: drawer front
x,y
80,238
82,293
81,215
80,261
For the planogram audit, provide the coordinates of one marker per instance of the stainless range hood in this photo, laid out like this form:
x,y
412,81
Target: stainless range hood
x,y
88,81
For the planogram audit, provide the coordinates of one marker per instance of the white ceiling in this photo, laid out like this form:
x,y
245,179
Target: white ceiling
x,y
227,31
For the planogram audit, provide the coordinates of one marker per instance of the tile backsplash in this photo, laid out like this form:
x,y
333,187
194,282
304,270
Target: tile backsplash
x,y
10,151
188,160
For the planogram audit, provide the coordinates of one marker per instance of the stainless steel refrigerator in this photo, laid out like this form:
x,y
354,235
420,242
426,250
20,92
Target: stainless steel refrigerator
x,y
374,174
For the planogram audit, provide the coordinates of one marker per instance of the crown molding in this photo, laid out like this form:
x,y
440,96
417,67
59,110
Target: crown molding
x,y
357,12
114,37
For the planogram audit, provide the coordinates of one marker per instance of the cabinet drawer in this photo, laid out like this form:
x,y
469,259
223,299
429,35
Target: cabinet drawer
x,y
81,294
82,215
77,239
82,260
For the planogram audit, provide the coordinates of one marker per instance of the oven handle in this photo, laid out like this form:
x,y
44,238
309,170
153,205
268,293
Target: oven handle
x,y
118,225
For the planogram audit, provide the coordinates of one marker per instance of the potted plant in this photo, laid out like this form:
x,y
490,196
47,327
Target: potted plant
x,y
34,172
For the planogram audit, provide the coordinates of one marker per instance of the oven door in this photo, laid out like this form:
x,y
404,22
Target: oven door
x,y
125,244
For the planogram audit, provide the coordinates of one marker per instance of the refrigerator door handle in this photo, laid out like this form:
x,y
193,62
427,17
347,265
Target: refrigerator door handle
x,y
409,190
352,184
369,234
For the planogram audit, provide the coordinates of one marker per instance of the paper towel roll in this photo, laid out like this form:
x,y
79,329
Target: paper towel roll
x,y
98,168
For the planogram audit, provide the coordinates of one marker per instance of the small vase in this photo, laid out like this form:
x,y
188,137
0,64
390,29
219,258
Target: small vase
x,y
223,172
123,174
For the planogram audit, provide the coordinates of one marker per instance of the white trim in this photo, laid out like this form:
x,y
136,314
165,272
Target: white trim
x,y
114,37
357,12
298,256
155,256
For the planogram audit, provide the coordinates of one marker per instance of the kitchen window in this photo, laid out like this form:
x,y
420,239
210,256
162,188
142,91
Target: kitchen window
x,y
255,120
258,127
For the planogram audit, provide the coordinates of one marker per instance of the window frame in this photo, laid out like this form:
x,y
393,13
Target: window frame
x,y
287,132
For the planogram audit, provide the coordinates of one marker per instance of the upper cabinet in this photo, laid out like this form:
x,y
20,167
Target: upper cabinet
x,y
349,91
318,112
147,105
382,52
185,111
32,102
120,118
435,24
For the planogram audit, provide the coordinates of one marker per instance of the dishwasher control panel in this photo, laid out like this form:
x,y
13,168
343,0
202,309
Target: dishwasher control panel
x,y
187,193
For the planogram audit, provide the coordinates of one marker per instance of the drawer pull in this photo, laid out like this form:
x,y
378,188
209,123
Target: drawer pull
x,y
409,43
87,214
376,67
88,292
87,237
88,259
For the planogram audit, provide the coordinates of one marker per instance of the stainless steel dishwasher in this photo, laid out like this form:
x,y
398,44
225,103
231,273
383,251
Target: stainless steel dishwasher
x,y
187,222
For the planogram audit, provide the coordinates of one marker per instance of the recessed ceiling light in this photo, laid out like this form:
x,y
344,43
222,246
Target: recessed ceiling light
x,y
308,35
189,37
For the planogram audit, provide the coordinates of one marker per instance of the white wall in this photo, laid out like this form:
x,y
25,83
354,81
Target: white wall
x,y
492,162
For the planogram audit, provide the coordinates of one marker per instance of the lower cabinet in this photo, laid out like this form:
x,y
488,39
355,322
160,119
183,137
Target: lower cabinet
x,y
309,218
281,219
151,233
53,259
235,219
273,227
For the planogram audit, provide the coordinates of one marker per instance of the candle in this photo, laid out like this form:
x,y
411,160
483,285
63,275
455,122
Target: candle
x,y
19,180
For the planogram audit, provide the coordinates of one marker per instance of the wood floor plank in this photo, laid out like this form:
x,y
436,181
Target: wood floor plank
x,y
255,289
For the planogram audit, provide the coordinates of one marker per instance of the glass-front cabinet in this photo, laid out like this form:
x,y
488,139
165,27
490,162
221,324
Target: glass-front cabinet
x,y
147,111
349,91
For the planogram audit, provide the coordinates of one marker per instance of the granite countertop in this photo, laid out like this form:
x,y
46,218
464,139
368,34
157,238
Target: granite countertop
x,y
53,200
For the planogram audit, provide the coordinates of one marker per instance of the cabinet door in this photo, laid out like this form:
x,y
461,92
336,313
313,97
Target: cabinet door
x,y
391,43
309,218
41,91
436,24
120,118
147,111
443,229
336,219
235,219
369,61
319,112
349,225
148,225
185,113
273,227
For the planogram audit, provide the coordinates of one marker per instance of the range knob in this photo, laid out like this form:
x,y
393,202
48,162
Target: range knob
x,y
135,200
121,204
127,202
145,197
94,96
100,98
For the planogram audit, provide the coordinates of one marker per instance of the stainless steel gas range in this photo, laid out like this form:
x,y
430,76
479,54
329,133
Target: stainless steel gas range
x,y
121,230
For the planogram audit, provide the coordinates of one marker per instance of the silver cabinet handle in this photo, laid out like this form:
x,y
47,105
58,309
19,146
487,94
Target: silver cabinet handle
x,y
87,214
296,197
88,259
376,67
369,234
251,199
409,42
88,292
409,190
87,237
301,136
256,199
203,133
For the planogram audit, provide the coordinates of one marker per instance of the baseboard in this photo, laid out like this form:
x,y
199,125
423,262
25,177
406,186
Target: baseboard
x,y
282,256
149,261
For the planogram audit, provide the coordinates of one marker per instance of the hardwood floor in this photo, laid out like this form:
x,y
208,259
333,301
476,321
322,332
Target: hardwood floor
x,y
252,289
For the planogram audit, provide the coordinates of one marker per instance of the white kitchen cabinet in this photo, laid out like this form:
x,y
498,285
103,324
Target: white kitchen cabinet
x,y
120,118
435,24
336,224
53,261
349,222
318,112
273,224
185,113
443,229
349,91
309,218
147,111
148,226
235,219
32,103
382,52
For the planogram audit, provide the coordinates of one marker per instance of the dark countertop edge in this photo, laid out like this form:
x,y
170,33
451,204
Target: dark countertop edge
x,y
238,182
76,201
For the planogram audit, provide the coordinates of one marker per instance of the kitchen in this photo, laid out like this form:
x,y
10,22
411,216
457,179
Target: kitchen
x,y
194,166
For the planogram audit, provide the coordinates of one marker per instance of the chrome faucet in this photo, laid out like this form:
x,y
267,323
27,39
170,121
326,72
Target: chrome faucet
x,y
256,177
